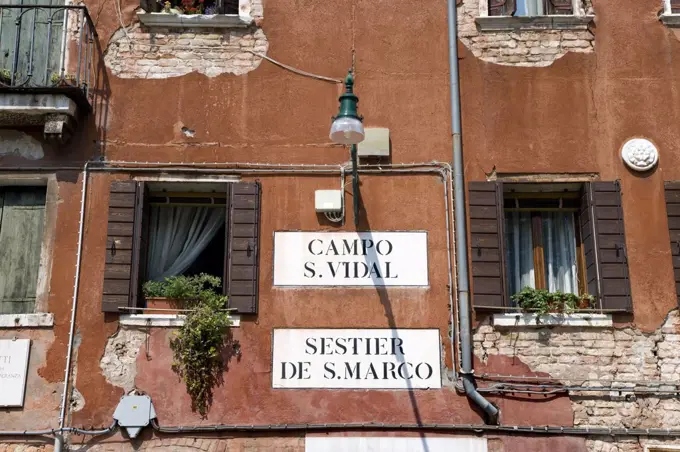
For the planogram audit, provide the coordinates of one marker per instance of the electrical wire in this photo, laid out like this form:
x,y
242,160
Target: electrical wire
x,y
53,431
292,69
376,426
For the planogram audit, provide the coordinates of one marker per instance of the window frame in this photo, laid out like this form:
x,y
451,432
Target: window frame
x,y
187,196
577,8
537,233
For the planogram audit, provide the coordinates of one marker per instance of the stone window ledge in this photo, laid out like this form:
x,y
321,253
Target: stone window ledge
x,y
671,20
164,20
537,23
162,320
38,320
533,320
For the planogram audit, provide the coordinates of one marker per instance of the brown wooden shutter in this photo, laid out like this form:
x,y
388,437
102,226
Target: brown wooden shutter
x,y
243,236
486,245
560,7
604,242
675,6
673,211
125,246
501,7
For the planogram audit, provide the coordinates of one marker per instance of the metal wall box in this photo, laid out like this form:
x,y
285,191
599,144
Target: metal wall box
x,y
328,201
376,143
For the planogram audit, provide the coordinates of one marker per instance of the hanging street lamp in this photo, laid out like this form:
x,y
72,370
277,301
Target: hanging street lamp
x,y
347,128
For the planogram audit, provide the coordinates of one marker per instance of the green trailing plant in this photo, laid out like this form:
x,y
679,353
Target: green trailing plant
x,y
200,346
541,301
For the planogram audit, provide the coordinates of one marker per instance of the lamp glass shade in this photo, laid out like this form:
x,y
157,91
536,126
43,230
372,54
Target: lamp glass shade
x,y
347,130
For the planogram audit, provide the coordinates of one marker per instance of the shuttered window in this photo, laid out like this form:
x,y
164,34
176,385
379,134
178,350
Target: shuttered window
x,y
530,8
586,230
673,210
675,6
155,235
22,216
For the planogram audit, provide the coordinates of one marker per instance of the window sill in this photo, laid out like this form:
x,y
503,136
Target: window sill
x,y
38,320
670,20
164,20
534,320
536,23
163,320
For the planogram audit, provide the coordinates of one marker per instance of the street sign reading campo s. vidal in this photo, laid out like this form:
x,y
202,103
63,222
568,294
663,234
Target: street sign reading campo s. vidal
x,y
356,358
350,259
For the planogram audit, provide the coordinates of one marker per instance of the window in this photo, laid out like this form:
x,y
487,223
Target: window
x,y
207,7
186,234
542,243
158,230
529,8
22,217
567,237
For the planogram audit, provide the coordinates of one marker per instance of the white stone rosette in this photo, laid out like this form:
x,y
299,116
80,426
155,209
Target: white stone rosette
x,y
640,154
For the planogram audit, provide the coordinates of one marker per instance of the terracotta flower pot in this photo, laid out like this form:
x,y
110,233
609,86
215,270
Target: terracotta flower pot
x,y
161,305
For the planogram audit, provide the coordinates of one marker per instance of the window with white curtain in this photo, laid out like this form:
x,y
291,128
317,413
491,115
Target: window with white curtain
x,y
531,8
186,234
543,243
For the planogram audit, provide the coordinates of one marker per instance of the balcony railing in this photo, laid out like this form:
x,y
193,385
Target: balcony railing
x,y
48,49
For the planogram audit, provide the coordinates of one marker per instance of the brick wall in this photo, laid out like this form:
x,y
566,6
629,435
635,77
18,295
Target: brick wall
x,y
520,48
599,356
161,53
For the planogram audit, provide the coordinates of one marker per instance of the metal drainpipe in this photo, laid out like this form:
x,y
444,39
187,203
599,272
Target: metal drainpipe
x,y
467,373
58,439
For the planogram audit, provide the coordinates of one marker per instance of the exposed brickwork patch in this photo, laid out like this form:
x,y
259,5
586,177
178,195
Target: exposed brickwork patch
x,y
163,53
520,48
599,356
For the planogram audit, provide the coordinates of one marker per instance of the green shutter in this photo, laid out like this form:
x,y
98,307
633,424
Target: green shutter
x,y
21,233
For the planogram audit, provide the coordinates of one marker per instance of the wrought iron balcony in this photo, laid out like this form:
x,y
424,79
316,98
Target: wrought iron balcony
x,y
49,65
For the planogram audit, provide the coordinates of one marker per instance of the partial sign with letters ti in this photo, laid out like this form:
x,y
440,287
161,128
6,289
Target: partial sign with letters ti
x,y
356,358
350,259
13,371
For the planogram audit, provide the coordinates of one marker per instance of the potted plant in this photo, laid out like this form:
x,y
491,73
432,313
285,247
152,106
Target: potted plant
x,y
5,76
62,81
198,346
541,301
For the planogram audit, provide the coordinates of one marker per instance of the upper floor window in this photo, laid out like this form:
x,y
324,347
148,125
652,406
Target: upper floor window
x,y
22,218
529,8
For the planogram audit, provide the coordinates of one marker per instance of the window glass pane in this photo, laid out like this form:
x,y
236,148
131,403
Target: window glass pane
x,y
22,213
181,236
519,251
559,248
529,8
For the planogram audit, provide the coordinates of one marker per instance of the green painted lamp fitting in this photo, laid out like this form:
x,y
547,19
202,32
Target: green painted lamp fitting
x,y
348,100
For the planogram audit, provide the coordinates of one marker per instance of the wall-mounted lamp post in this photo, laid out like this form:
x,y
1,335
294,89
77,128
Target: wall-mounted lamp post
x,y
348,129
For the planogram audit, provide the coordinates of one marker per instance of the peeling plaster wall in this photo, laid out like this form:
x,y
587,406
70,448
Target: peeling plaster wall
x,y
161,53
120,355
524,47
573,355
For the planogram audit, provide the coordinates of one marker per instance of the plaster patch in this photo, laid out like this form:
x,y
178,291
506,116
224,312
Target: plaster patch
x,y
120,355
165,53
77,400
534,48
20,144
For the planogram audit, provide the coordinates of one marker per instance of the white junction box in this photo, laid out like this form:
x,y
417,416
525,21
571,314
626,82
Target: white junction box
x,y
376,143
328,201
